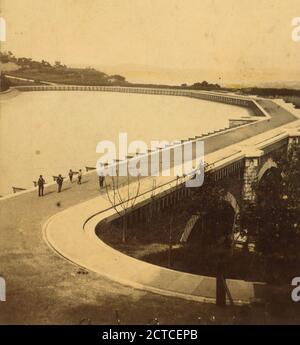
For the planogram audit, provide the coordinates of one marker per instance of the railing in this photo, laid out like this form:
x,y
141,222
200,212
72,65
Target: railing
x,y
205,95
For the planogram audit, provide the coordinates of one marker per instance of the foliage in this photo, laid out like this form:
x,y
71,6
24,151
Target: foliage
x,y
58,72
205,86
273,221
216,214
4,82
265,92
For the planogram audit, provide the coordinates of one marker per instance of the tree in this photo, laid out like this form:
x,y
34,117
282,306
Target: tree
x,y
205,85
118,77
45,63
4,58
123,197
272,222
216,213
212,247
4,82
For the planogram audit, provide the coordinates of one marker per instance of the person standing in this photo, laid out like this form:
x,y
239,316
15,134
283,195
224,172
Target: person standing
x,y
59,181
101,181
41,183
79,176
71,175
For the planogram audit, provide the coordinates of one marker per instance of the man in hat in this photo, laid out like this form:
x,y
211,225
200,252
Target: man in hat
x,y
101,180
71,175
79,177
59,181
41,183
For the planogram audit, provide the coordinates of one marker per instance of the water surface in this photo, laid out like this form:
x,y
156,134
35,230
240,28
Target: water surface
x,y
51,132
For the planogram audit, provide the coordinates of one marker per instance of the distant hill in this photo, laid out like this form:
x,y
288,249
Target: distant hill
x,y
9,66
294,84
28,71
58,73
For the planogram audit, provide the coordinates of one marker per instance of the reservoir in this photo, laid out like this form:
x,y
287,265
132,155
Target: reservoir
x,y
50,132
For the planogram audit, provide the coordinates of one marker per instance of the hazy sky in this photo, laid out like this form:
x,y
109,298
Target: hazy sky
x,y
165,40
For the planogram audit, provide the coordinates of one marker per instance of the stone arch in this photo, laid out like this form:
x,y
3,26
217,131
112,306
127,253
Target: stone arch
x,y
269,164
193,221
231,199
269,184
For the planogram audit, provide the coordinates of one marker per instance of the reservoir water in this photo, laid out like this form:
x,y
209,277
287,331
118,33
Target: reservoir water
x,y
51,132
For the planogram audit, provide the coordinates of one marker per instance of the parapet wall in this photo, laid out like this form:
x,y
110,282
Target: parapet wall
x,y
205,95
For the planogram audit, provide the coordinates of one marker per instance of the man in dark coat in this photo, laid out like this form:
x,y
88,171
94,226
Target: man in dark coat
x,y
41,183
59,181
71,175
101,181
79,177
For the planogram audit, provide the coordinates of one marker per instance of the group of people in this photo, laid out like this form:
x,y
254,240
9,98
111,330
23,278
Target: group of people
x,y
72,173
59,180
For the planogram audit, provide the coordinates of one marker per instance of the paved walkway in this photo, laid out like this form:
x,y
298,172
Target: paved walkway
x,y
278,117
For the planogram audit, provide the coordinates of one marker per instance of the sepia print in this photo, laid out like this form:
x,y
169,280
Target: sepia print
x,y
149,163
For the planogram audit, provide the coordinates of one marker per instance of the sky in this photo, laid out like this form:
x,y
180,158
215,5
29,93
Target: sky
x,y
164,41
